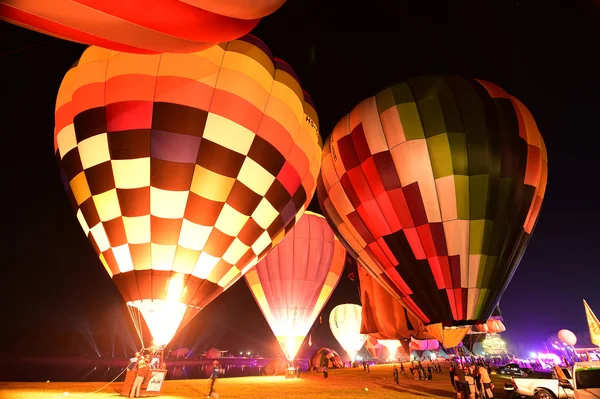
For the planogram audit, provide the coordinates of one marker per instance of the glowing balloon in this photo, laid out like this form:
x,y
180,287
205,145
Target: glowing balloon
x,y
567,337
344,322
294,281
436,185
184,170
138,26
392,346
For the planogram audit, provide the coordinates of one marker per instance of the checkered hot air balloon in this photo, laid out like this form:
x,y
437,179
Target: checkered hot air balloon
x,y
436,184
140,26
294,281
184,170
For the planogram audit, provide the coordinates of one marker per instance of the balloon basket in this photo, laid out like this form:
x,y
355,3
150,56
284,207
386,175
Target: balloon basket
x,y
291,373
151,386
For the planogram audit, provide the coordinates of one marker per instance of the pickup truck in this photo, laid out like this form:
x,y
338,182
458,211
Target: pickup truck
x,y
586,381
586,384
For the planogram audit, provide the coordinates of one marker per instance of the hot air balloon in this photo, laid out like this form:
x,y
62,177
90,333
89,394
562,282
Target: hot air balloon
x,y
184,170
137,26
373,346
436,184
344,322
567,337
325,357
392,346
294,281
383,317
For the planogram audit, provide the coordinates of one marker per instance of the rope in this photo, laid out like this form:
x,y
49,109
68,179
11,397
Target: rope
x,y
135,315
98,390
26,48
113,380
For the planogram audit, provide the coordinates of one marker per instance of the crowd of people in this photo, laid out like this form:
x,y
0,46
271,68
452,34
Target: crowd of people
x,y
417,370
472,380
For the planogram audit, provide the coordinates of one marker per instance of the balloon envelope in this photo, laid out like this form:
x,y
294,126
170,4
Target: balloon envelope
x,y
344,322
138,26
325,357
383,317
436,185
424,344
184,170
294,281
373,346
213,353
392,346
491,326
567,337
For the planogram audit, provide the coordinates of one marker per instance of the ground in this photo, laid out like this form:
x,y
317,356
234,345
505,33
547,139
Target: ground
x,y
344,383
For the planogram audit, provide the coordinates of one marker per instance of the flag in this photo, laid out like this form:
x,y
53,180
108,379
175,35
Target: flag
x,y
593,324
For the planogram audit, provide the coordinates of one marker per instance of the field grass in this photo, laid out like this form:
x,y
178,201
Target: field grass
x,y
344,383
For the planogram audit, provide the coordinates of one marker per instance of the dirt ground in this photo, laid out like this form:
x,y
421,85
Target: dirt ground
x,y
344,383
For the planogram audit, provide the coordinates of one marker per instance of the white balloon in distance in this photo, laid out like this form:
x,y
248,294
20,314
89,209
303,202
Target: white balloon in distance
x,y
567,337
345,321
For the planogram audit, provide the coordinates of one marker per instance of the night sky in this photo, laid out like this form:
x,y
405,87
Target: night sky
x,y
544,53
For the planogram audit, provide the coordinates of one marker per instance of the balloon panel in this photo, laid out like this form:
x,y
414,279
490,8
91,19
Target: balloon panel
x,y
294,281
185,170
136,26
436,185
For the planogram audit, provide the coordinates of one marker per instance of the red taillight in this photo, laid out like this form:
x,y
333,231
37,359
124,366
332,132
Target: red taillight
x,y
514,383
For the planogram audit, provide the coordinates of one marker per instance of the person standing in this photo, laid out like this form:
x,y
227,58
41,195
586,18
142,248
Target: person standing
x,y
485,379
402,369
213,377
396,375
141,369
452,373
133,361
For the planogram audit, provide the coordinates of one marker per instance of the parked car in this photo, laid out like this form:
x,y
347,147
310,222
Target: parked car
x,y
586,380
514,369
582,382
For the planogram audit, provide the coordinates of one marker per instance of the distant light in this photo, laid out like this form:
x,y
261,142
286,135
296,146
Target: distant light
x,y
358,358
532,355
248,353
241,353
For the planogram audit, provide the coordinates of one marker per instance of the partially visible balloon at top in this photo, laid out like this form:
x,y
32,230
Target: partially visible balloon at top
x,y
139,26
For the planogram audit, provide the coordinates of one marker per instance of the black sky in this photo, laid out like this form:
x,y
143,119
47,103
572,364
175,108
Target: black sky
x,y
544,53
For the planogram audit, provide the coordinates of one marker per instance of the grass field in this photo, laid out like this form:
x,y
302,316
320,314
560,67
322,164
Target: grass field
x,y
344,383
